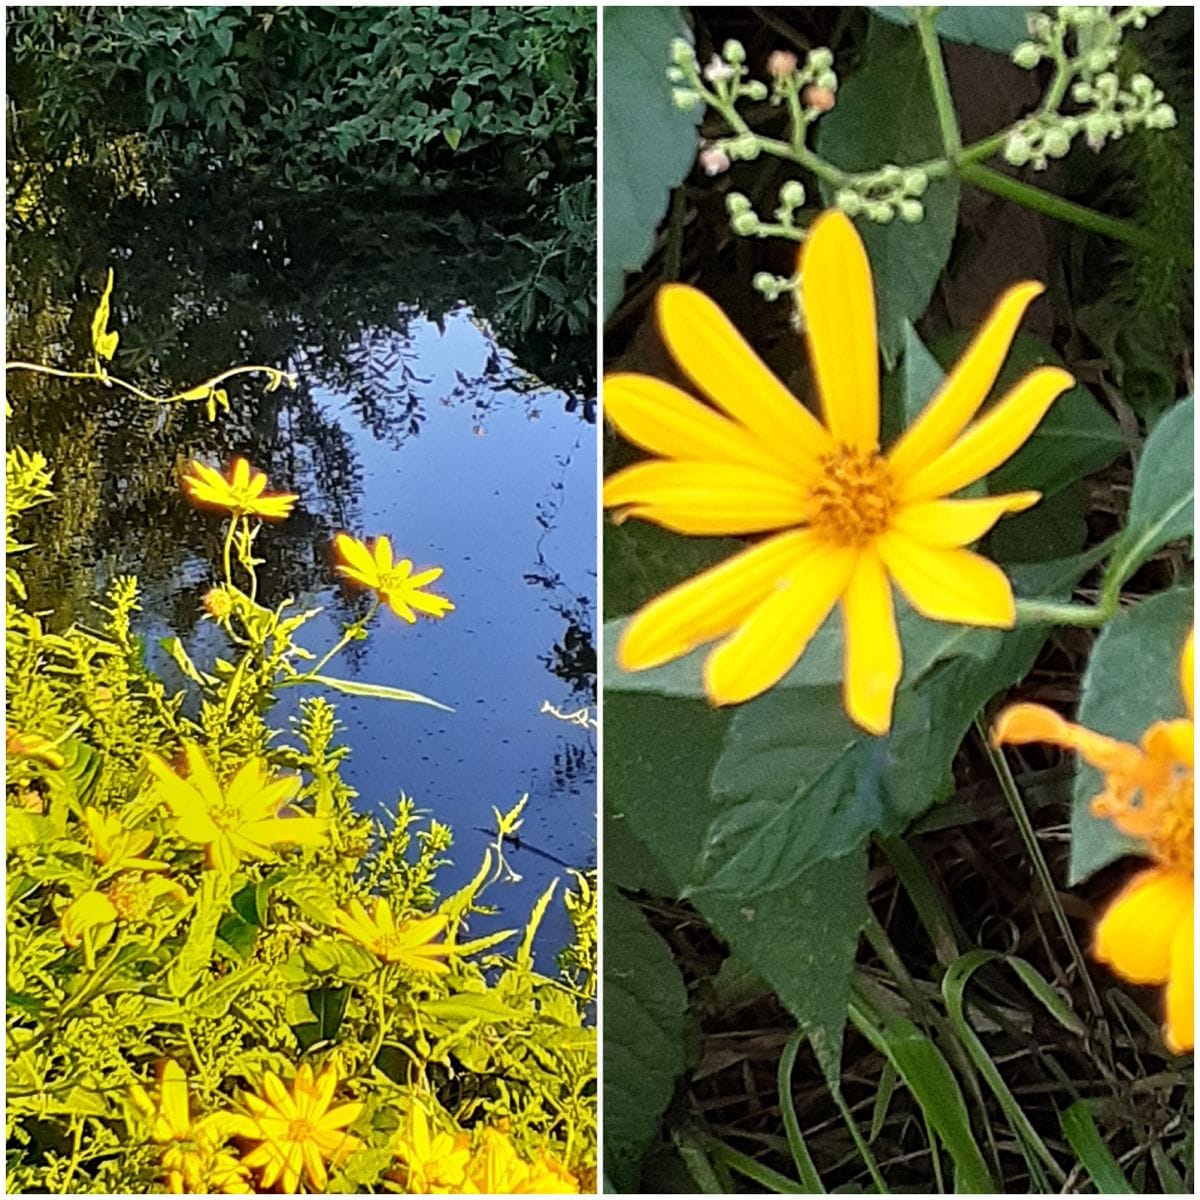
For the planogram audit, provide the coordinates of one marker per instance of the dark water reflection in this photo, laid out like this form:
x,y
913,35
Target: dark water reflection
x,y
419,414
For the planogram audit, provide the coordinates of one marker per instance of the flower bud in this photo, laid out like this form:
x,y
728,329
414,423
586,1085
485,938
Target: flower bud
x,y
1082,92
827,81
781,63
755,90
716,70
714,160
1161,116
745,147
685,99
675,75
911,211
1039,26
1026,55
1100,58
1017,150
792,193
818,98
767,284
915,182
849,201
733,51
736,203
820,59
1056,143
1141,85
746,224
880,212
681,53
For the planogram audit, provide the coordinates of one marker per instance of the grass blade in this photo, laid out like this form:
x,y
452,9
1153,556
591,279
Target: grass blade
x,y
1094,1155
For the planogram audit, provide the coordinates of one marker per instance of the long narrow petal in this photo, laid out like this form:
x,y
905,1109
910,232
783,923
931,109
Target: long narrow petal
x,y
710,350
1020,724
708,497
357,561
993,439
775,634
949,523
662,419
1187,672
873,656
709,604
1180,1029
838,300
1135,934
949,585
966,387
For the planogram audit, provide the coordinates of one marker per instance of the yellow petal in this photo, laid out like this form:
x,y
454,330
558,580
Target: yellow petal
x,y
662,419
708,605
240,475
173,1099
966,387
712,353
358,560
873,657
950,523
775,634
708,498
383,554
993,439
314,1166
397,602
949,585
1136,933
424,578
838,302
1020,724
1179,1032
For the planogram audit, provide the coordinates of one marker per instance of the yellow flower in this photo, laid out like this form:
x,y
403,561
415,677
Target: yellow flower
x,y
130,897
431,1161
395,582
411,942
1147,933
91,910
846,520
34,746
241,820
297,1132
115,847
497,1169
195,1160
244,493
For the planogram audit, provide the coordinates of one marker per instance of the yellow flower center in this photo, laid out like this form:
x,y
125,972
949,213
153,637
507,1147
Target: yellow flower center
x,y
394,581
301,1130
852,502
131,898
225,816
388,945
1173,839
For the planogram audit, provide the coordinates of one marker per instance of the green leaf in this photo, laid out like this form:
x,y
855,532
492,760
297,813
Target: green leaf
x,y
1054,528
238,934
1161,508
801,939
474,1006
453,136
311,895
649,145
993,28
376,691
193,959
644,1006
1131,681
906,260
175,648
1095,1157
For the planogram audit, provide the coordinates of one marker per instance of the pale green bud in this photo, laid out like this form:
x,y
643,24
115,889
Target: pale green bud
x,y
891,175
1026,55
755,90
1082,92
1056,143
744,223
1017,150
681,54
915,182
675,75
820,59
792,194
1141,85
827,80
911,211
736,203
1161,116
1039,26
1100,58
745,147
685,99
733,51
849,201
880,212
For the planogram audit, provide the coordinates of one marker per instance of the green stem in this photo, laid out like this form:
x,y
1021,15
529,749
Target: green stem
x,y
346,638
226,555
931,908
743,1164
1048,612
1012,795
938,82
1055,206
809,1176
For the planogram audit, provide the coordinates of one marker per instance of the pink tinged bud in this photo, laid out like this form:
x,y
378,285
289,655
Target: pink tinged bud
x,y
781,63
714,160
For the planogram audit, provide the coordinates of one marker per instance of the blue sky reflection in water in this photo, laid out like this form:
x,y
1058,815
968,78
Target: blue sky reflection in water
x,y
504,500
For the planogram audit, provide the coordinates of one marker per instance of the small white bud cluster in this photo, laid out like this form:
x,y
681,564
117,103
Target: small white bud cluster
x,y
883,195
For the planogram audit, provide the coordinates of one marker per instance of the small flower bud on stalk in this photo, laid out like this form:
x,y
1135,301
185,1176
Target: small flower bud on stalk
x,y
818,99
781,63
714,160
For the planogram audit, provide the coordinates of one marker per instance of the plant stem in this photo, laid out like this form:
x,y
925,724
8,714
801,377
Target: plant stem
x,y
809,1177
1012,795
938,82
1049,612
751,1168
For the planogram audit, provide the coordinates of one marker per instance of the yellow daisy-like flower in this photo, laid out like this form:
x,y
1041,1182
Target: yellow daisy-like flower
x,y
394,582
1147,934
409,942
496,1169
430,1161
195,1160
244,493
244,819
90,911
116,848
130,897
846,519
297,1131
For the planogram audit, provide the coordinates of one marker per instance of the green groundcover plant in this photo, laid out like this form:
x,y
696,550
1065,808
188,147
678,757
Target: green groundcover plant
x,y
824,575
222,976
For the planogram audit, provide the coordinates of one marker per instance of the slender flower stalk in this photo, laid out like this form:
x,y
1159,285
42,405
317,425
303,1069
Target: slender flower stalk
x,y
845,520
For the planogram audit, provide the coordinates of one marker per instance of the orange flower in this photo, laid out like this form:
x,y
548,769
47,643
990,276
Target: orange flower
x,y
1147,933
244,493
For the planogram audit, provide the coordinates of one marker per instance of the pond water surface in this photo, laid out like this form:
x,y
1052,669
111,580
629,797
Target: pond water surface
x,y
411,419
